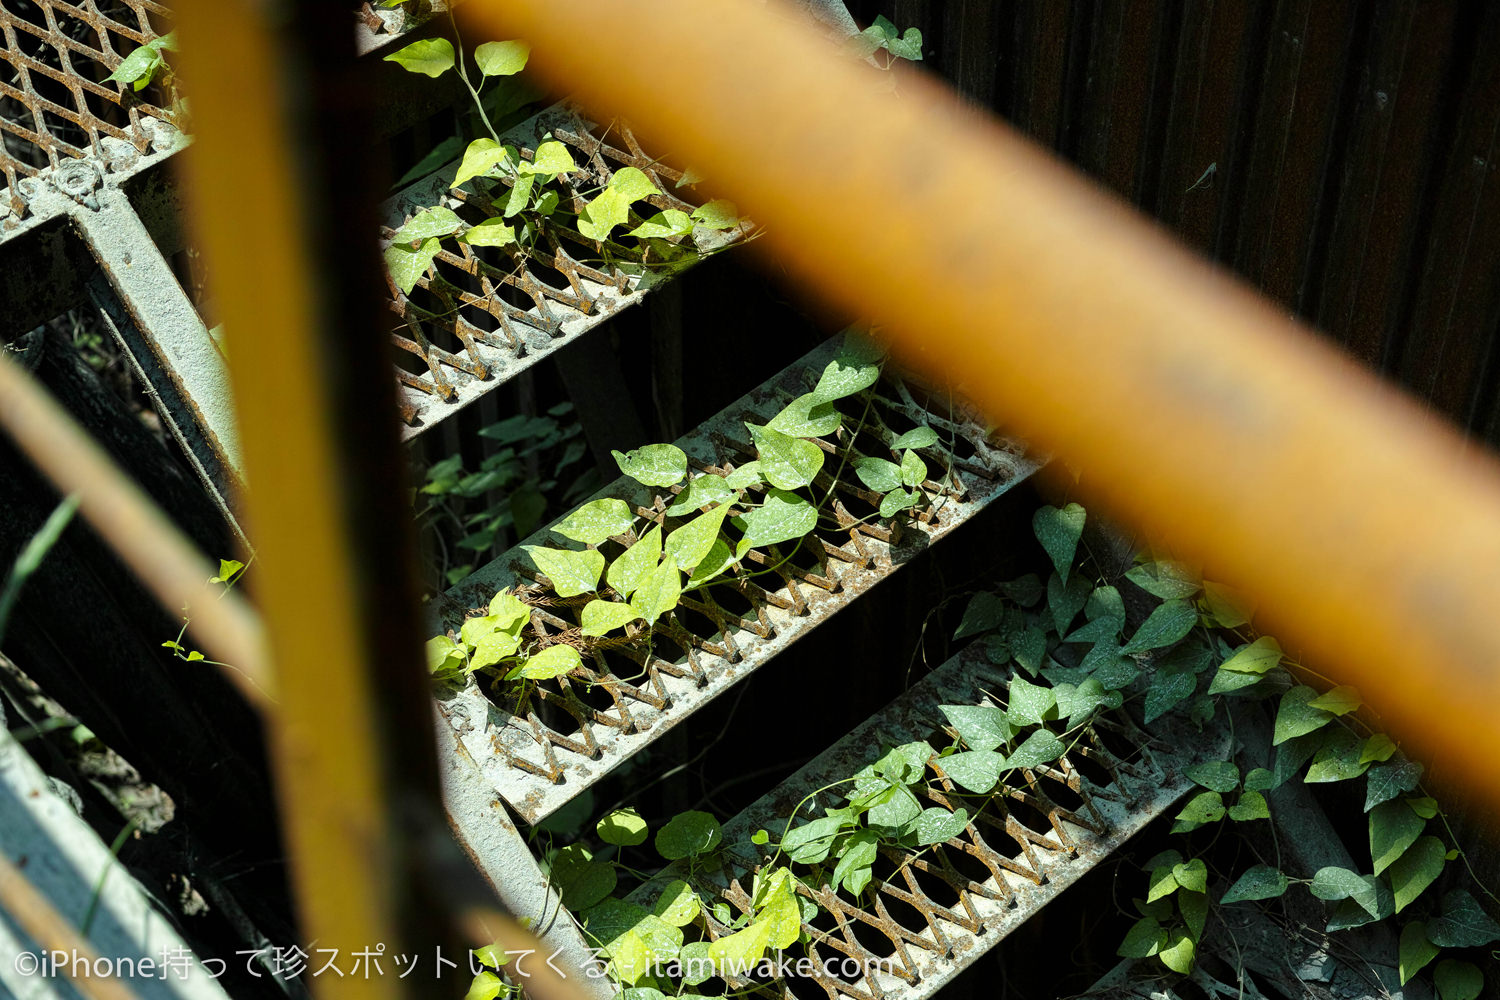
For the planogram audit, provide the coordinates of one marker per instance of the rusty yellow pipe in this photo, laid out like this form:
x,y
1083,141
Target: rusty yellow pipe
x,y
1200,412
248,208
170,565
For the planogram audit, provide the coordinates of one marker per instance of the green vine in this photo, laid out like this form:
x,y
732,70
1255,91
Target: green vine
x,y
766,502
524,190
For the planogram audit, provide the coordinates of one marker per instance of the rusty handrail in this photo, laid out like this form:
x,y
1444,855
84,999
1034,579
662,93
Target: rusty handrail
x,y
1198,411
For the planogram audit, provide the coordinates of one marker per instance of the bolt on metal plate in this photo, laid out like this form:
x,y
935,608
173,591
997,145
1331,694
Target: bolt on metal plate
x,y
575,729
55,102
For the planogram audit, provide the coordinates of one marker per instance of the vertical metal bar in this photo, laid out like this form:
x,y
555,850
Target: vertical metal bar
x,y
274,184
1197,410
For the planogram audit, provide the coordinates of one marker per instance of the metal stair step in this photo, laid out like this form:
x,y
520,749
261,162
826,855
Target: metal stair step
x,y
930,913
483,315
538,763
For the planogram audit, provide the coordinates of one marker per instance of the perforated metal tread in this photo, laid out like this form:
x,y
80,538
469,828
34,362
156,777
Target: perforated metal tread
x,y
928,914
580,729
58,113
483,314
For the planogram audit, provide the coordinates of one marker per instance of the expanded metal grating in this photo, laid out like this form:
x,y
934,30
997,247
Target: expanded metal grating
x,y
482,314
578,729
929,913
55,105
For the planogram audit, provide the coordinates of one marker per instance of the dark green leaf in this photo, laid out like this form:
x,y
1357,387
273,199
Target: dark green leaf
x,y
1338,758
1166,692
1415,870
1167,580
1059,530
1391,779
688,834
1065,600
1166,625
1215,775
1393,828
1260,882
1463,923
1144,939
1456,980
984,611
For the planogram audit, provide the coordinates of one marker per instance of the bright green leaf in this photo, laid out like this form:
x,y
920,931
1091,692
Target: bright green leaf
x,y
1205,807
1251,806
430,56
717,214
594,522
1296,716
654,464
678,904
408,266
690,544
490,233
554,661
806,417
550,159
782,517
480,157
631,185
1255,658
571,572
603,617
664,225
623,828
1416,950
658,592
631,566
502,58
1340,701
787,462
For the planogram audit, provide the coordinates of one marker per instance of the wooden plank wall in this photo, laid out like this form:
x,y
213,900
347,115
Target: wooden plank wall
x,y
1341,156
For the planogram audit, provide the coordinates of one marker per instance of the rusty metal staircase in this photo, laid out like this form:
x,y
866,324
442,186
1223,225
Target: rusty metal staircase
x,y
84,184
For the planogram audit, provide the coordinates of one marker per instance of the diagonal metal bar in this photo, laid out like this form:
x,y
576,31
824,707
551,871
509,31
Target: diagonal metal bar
x,y
1197,410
